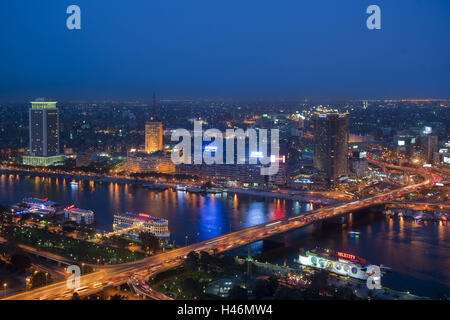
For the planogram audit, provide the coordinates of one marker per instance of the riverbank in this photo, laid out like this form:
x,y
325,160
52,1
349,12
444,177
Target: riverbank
x,y
292,195
287,196
359,287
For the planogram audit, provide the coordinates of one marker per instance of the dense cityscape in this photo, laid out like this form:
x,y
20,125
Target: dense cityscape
x,y
170,196
349,159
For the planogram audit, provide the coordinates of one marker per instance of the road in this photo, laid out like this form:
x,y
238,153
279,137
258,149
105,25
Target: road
x,y
117,274
443,207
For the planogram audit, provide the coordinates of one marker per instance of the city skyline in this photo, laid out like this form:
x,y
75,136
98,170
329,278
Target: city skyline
x,y
225,154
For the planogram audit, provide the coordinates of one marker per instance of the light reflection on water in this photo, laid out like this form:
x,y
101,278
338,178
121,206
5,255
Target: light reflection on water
x,y
194,215
418,254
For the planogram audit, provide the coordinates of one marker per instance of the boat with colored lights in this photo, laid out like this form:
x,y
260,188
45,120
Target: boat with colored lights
x,y
155,186
340,263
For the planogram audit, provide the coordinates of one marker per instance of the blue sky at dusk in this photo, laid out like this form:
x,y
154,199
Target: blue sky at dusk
x,y
217,48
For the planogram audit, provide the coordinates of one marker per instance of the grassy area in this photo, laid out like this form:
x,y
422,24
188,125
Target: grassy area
x,y
198,270
75,249
172,282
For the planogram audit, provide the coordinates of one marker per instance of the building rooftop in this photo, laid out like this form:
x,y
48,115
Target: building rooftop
x,y
79,211
141,217
45,202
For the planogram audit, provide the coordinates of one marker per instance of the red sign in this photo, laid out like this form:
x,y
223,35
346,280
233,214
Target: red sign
x,y
346,256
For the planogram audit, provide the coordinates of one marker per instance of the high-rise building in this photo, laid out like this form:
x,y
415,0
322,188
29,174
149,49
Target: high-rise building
x,y
44,134
428,146
153,158
331,144
153,132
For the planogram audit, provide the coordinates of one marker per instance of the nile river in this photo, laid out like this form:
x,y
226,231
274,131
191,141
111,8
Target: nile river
x,y
418,254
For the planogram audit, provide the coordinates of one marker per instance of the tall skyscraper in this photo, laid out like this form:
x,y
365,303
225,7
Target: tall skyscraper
x,y
153,132
428,146
44,134
331,144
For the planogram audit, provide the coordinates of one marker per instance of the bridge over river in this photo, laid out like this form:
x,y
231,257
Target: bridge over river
x,y
117,274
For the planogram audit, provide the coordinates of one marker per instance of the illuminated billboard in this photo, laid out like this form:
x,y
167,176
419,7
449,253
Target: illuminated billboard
x,y
401,143
427,130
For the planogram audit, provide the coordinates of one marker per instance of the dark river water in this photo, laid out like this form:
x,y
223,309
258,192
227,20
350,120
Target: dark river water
x,y
419,254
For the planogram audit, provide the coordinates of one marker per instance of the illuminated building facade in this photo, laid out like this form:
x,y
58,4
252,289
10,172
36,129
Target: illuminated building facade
x,y
79,215
160,161
142,222
331,144
44,134
248,175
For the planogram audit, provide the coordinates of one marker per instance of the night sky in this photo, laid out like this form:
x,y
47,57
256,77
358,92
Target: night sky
x,y
224,48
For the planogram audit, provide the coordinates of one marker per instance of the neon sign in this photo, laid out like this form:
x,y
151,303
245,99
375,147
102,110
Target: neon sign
x,y
346,256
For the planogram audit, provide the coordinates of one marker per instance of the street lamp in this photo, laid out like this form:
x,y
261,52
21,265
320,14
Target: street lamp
x,y
4,288
46,275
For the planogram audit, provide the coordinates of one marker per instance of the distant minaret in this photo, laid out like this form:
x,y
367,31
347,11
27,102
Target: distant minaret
x,y
153,131
153,116
249,262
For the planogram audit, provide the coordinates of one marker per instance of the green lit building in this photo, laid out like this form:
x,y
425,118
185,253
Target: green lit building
x,y
44,134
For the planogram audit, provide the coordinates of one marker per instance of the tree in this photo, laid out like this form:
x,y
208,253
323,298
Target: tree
x,y
262,289
20,262
227,261
273,284
285,293
208,185
345,293
192,287
237,293
85,269
121,242
319,280
75,296
40,279
3,215
117,297
191,263
149,242
8,249
205,260
68,228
